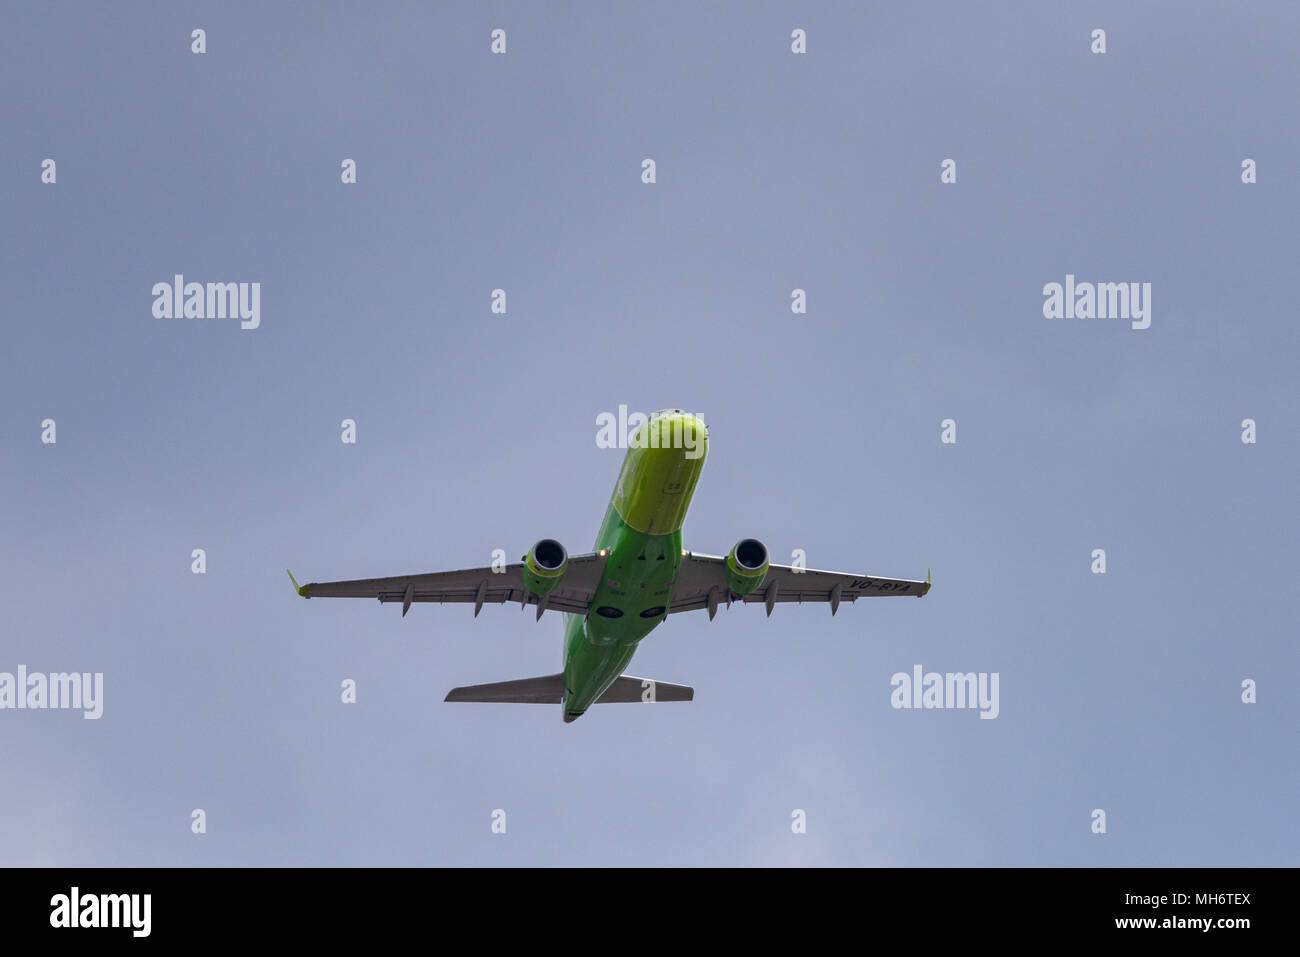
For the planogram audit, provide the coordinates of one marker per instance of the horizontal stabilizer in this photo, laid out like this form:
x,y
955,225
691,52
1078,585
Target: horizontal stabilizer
x,y
628,688
549,689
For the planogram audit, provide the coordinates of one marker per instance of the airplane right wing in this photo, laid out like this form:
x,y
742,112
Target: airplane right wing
x,y
702,583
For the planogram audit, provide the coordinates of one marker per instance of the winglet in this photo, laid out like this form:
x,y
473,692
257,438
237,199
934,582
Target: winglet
x,y
928,582
303,590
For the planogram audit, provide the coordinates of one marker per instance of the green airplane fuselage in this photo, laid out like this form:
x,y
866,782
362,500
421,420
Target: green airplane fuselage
x,y
642,536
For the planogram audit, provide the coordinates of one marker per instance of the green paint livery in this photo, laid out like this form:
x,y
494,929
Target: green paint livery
x,y
637,575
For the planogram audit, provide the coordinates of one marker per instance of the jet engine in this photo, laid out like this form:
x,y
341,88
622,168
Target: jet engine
x,y
544,566
746,565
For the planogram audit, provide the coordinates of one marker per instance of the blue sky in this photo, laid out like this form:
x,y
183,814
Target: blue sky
x,y
476,431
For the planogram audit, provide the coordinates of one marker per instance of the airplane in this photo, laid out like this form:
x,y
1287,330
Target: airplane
x,y
637,575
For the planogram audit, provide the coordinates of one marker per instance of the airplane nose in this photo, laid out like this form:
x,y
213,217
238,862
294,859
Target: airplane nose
x,y
664,460
678,432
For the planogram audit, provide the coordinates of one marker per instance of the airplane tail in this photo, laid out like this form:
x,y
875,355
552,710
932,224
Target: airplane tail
x,y
549,689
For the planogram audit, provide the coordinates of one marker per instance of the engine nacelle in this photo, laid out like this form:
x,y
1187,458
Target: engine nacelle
x,y
746,565
544,566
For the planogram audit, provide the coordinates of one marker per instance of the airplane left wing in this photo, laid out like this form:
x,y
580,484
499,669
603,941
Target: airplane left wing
x,y
477,586
702,583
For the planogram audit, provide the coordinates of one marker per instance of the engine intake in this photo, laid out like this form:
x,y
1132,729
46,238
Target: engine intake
x,y
747,564
544,566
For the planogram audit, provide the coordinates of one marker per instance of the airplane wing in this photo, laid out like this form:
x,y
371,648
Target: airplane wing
x,y
702,583
477,586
